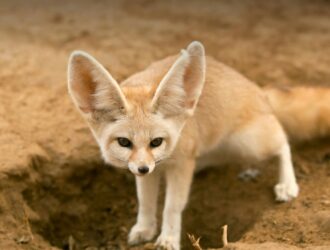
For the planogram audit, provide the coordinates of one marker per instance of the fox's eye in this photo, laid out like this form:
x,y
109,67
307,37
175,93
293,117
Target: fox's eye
x,y
156,142
124,142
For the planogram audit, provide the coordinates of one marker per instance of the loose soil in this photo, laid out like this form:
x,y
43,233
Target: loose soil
x,y
55,191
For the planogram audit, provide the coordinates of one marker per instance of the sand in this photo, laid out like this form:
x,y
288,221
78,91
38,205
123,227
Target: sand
x,y
55,191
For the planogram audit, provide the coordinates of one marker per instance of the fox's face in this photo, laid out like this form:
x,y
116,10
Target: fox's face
x,y
137,140
137,124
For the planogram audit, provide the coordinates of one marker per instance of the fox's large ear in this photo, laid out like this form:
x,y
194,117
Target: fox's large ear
x,y
180,89
91,86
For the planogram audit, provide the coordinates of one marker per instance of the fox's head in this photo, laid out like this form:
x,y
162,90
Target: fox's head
x,y
137,123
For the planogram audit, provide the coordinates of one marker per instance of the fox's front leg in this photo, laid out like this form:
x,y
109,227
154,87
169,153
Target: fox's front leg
x,y
146,226
178,181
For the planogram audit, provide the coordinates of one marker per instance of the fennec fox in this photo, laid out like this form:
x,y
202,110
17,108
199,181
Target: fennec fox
x,y
160,121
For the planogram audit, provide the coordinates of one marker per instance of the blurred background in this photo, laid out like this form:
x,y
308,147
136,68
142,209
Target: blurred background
x,y
55,191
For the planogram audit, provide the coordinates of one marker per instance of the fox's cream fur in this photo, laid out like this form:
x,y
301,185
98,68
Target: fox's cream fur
x,y
195,107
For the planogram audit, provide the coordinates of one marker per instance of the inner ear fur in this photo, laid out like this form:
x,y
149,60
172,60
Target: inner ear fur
x,y
180,89
91,86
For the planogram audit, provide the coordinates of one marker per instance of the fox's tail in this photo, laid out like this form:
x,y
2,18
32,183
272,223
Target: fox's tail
x,y
303,111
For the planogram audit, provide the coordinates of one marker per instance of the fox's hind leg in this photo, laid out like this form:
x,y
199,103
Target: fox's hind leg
x,y
287,187
264,137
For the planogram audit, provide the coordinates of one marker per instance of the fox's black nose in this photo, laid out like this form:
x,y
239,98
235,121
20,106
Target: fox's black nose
x,y
143,170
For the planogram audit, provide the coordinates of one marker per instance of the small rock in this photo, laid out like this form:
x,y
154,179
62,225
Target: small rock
x,y
249,174
325,202
23,240
304,168
123,229
72,243
149,246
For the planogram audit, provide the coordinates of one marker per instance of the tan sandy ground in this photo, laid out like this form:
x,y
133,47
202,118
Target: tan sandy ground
x,y
55,191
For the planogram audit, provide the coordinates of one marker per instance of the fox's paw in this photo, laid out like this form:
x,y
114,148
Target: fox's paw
x,y
286,191
167,243
140,234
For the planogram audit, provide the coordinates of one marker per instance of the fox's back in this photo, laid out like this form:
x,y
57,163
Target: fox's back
x,y
228,102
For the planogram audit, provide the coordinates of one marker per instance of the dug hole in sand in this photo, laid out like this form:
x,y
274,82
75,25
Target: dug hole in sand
x,y
55,191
